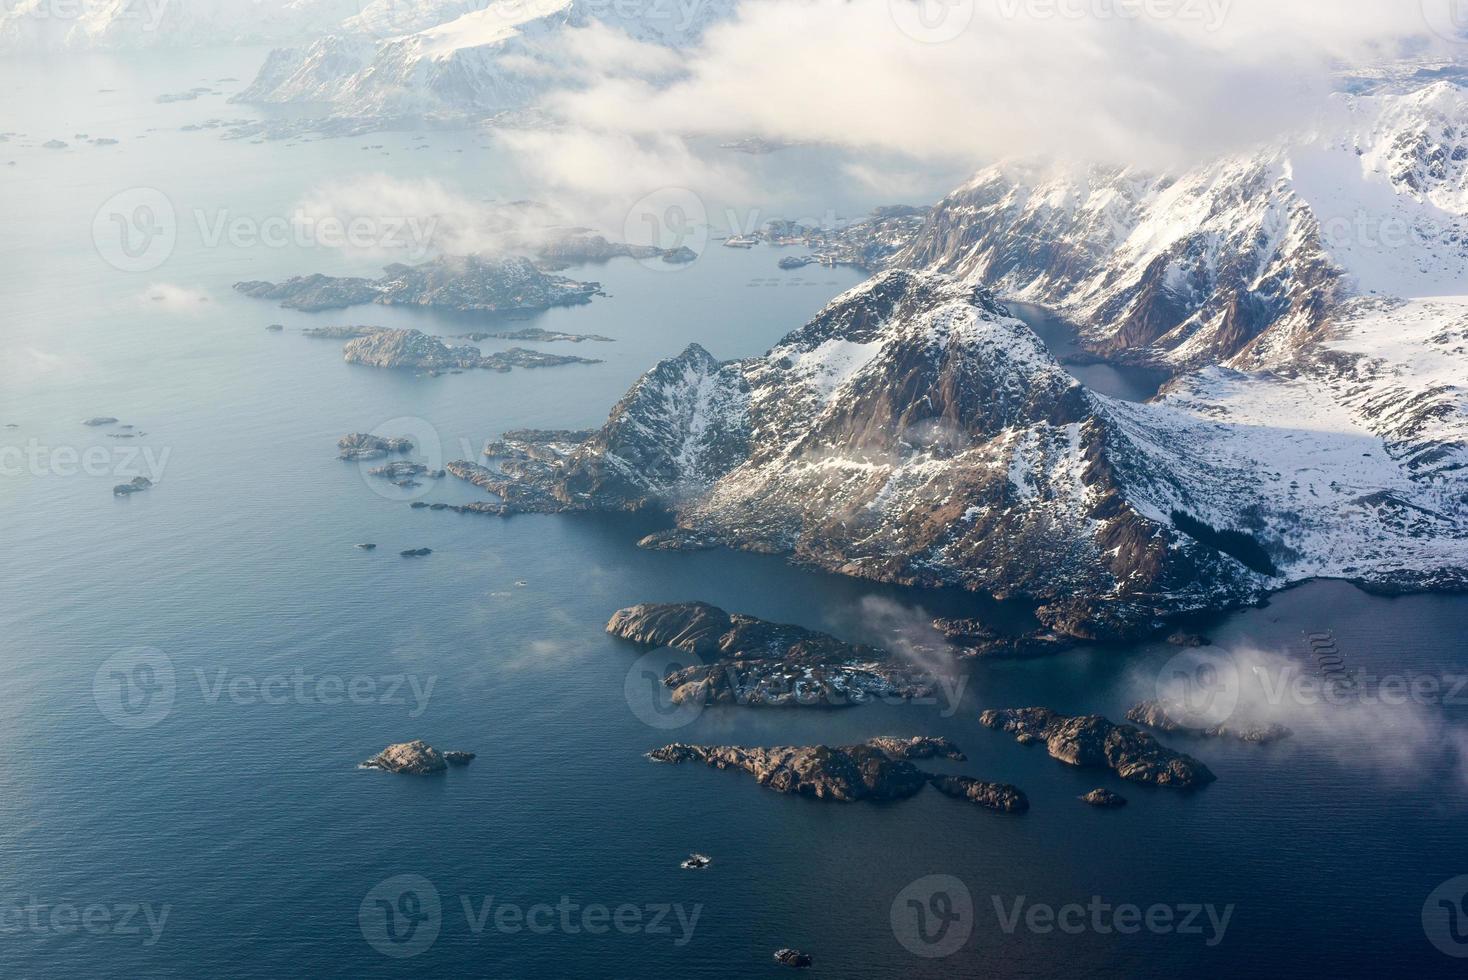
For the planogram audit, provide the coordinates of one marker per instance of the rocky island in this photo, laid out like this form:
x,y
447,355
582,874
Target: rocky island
x,y
460,284
365,445
1091,741
878,769
755,663
538,335
415,350
416,758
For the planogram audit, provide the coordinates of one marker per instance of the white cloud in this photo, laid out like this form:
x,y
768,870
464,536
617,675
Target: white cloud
x,y
1058,78
172,298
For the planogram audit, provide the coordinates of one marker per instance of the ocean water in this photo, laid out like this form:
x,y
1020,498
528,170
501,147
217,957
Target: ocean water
x,y
228,806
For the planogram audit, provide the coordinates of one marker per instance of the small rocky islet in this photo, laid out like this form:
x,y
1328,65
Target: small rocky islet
x,y
136,485
1104,798
793,958
416,758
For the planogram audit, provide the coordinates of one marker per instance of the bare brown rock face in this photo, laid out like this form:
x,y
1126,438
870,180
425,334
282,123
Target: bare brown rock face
x,y
995,796
416,758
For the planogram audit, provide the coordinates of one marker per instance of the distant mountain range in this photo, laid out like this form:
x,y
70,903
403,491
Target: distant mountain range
x,y
486,59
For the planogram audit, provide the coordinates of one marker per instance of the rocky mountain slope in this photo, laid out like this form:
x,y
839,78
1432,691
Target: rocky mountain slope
x,y
483,61
914,432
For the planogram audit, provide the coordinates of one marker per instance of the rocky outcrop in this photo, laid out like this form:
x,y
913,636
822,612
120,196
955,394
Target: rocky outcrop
x,y
538,335
976,640
712,633
996,796
415,758
1156,714
365,445
136,485
755,663
793,958
460,284
856,772
878,769
1104,798
1091,741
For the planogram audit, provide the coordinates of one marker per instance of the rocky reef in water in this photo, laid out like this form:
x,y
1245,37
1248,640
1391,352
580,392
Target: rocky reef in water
x,y
416,758
879,769
1091,741
756,663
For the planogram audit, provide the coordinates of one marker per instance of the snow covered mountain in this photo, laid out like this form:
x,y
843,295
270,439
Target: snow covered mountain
x,y
915,432
45,25
490,58
1241,260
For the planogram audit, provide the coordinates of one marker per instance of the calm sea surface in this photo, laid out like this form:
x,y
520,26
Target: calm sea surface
x,y
238,806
